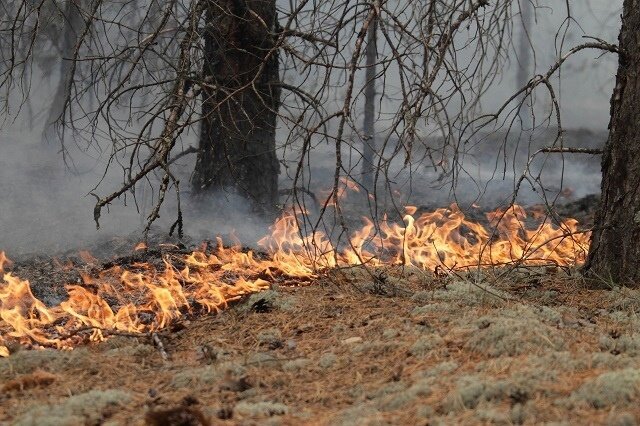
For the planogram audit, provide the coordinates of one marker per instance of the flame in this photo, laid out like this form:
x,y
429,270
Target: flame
x,y
142,298
140,246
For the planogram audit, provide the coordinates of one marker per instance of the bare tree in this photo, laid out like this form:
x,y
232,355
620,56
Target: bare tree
x,y
71,25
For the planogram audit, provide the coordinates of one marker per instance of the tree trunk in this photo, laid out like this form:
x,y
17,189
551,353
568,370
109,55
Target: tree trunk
x,y
237,150
368,128
614,255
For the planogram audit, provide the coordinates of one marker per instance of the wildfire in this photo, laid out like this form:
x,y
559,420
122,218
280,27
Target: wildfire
x,y
143,298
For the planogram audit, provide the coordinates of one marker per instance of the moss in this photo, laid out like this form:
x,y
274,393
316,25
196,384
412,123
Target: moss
x,y
611,361
260,409
295,365
624,299
23,362
87,408
467,394
363,414
492,415
512,332
519,413
138,351
549,315
271,337
439,308
205,376
422,296
263,359
609,389
375,349
627,344
400,396
546,366
544,297
472,390
425,411
426,344
327,360
622,419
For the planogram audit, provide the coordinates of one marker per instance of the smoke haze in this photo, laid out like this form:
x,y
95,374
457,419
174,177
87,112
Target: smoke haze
x,y
46,207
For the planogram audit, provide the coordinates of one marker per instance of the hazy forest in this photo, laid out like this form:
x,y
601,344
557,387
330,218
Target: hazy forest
x,y
319,212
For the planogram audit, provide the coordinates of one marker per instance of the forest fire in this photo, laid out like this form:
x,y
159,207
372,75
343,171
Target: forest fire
x,y
143,298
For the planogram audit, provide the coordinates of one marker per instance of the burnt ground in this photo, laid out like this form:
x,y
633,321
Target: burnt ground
x,y
530,346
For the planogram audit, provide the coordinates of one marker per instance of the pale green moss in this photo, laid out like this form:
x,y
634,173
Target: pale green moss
x,y
260,409
86,408
616,388
426,344
205,376
513,332
296,365
327,360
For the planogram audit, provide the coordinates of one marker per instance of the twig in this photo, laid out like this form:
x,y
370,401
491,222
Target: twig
x,y
160,346
573,150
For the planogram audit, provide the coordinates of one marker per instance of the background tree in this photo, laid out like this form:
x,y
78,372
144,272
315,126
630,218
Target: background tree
x,y
66,40
368,125
525,54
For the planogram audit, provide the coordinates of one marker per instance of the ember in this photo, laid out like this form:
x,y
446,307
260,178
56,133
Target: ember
x,y
142,298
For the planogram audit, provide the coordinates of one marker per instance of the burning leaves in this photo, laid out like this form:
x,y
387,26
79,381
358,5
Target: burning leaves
x,y
143,298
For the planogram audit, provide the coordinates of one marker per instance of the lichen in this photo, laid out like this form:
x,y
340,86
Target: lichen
x,y
271,337
512,332
205,376
296,365
468,392
363,414
327,360
426,344
627,344
23,362
260,409
87,408
612,388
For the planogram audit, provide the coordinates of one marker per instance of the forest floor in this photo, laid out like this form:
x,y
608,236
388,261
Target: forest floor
x,y
534,346
530,346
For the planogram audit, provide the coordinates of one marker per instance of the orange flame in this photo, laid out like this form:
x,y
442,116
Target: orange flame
x,y
142,298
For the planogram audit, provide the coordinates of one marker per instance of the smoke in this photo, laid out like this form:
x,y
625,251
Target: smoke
x,y
46,207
